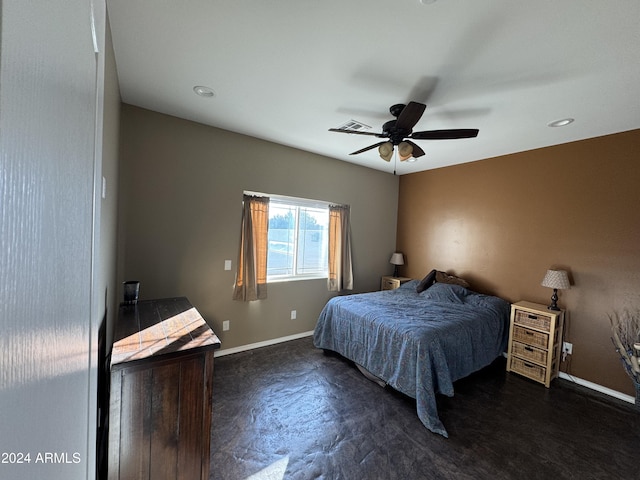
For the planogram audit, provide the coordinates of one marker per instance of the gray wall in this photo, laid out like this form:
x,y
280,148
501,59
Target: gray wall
x,y
53,280
180,211
109,204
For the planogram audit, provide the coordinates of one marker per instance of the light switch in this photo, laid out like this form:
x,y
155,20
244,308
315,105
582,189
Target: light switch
x,y
227,264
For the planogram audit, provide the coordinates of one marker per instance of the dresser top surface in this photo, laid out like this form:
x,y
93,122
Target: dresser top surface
x,y
536,308
154,328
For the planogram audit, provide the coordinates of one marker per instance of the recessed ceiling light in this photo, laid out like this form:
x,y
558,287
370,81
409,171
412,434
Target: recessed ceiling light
x,y
427,2
561,123
203,91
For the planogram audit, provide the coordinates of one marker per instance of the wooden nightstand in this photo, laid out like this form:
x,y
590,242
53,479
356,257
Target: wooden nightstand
x,y
535,341
391,283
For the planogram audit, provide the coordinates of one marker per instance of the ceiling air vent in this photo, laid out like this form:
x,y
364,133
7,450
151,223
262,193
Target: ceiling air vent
x,y
354,125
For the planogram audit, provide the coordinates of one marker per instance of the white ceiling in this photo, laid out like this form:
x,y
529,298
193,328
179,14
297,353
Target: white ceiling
x,y
288,70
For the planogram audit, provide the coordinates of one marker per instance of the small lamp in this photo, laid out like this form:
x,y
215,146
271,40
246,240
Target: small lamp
x,y
558,280
396,259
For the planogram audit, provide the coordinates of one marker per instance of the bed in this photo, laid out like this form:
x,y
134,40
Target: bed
x,y
418,342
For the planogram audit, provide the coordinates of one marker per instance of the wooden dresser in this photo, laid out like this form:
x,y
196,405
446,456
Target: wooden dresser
x,y
160,395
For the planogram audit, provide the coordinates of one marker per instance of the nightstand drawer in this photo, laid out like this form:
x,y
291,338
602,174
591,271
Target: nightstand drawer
x,y
527,352
391,283
530,337
528,319
528,369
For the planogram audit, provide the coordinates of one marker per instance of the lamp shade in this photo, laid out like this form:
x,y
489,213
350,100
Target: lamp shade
x,y
405,150
386,151
556,279
397,259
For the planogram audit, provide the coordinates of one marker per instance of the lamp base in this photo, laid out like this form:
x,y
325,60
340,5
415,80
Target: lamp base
x,y
554,301
395,272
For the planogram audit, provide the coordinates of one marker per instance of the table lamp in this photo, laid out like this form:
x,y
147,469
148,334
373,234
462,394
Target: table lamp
x,y
558,280
396,259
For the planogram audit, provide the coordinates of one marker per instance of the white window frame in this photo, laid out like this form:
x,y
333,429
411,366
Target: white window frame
x,y
300,203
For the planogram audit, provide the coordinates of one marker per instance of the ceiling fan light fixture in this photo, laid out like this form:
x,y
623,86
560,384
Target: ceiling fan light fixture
x,y
386,151
405,151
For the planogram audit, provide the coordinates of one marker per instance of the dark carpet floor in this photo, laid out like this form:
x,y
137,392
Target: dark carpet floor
x,y
289,411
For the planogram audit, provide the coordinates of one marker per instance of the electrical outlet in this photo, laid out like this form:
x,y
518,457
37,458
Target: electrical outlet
x,y
225,325
294,314
567,348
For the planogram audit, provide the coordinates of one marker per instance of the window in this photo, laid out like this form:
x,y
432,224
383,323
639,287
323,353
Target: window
x,y
284,238
298,239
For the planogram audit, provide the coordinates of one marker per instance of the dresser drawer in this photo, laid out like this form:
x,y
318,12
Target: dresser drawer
x,y
527,352
528,369
530,337
533,320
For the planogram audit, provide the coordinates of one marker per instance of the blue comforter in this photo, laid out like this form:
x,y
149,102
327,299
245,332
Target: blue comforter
x,y
419,343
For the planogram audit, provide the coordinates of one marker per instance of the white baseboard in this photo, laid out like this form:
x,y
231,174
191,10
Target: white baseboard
x,y
598,388
593,386
266,343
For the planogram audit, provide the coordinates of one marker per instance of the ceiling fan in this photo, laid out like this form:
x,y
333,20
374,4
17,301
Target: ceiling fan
x,y
399,132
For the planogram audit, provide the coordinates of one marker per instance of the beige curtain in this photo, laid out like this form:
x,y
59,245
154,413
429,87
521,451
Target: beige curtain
x,y
340,269
251,277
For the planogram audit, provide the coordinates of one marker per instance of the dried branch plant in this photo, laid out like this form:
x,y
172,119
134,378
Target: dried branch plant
x,y
625,334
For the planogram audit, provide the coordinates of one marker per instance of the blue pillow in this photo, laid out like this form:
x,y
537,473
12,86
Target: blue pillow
x,y
446,292
410,285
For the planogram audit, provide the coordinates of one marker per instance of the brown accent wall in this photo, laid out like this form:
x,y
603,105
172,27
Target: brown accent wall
x,y
502,222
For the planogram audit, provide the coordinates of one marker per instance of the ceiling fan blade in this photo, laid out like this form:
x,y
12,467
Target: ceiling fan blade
x,y
370,147
445,134
356,132
410,115
417,151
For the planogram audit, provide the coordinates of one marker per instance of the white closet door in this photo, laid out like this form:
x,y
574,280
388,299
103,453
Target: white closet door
x,y
47,135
